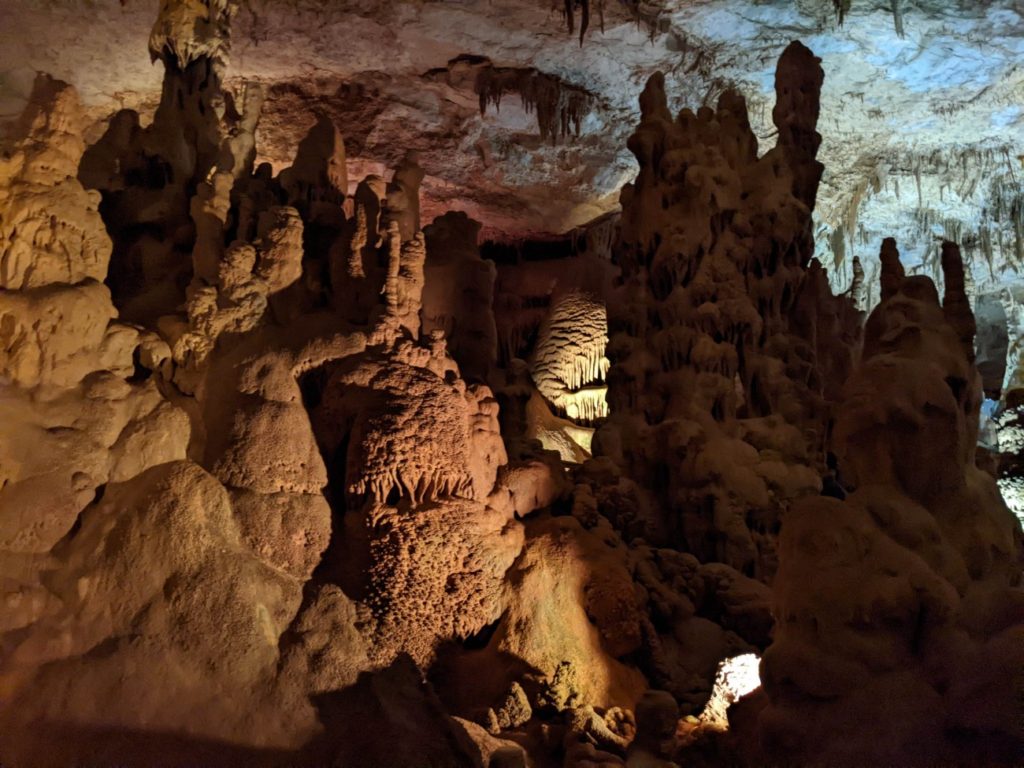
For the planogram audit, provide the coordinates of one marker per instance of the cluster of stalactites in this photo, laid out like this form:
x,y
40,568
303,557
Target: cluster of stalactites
x,y
569,362
420,484
981,178
569,9
842,7
560,107
187,30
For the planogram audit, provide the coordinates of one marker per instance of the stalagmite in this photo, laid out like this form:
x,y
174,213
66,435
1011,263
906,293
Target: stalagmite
x,y
857,286
892,269
402,204
923,526
36,247
701,307
955,306
318,179
458,284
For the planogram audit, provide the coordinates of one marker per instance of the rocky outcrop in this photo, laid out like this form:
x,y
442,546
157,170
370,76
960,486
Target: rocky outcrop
x,y
713,359
186,450
76,414
896,606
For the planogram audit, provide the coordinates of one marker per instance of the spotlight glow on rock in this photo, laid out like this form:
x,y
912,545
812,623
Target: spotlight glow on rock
x,y
736,677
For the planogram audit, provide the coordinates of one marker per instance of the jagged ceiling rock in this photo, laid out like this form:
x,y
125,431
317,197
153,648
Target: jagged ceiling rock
x,y
949,85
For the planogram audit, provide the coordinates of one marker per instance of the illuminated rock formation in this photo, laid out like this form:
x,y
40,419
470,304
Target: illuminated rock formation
x,y
72,421
37,248
714,363
124,538
137,581
551,313
568,360
402,204
229,540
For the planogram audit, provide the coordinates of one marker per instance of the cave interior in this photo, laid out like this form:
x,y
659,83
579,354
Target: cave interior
x,y
511,383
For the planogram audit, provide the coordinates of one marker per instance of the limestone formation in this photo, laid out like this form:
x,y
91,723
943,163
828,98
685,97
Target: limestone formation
x,y
290,475
38,176
72,423
402,204
893,605
560,107
457,283
568,361
250,520
317,182
713,359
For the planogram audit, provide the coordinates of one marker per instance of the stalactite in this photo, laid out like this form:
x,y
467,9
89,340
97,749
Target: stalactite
x,y
644,12
842,7
1017,215
985,242
560,107
193,31
879,177
853,208
569,11
838,242
897,16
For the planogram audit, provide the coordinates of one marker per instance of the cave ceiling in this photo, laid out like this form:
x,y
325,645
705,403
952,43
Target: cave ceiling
x,y
922,109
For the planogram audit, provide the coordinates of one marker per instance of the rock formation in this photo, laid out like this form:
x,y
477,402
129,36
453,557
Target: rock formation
x,y
714,360
79,409
290,476
899,607
457,283
560,107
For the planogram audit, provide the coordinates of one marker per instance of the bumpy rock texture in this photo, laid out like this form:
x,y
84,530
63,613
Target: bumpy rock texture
x,y
898,609
716,361
290,476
